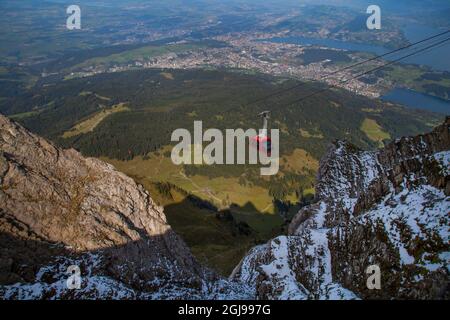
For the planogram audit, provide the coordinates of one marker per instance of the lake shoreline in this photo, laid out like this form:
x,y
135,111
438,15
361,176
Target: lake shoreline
x,y
417,100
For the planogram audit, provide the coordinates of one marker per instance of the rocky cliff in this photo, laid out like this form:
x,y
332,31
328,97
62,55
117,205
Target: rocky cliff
x,y
388,208
59,209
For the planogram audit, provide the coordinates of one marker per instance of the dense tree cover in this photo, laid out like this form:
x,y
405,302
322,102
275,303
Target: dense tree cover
x,y
433,76
437,89
159,104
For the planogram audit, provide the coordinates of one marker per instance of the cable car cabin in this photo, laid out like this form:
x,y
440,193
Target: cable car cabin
x,y
263,143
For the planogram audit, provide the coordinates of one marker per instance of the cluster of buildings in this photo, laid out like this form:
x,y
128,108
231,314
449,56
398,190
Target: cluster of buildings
x,y
249,53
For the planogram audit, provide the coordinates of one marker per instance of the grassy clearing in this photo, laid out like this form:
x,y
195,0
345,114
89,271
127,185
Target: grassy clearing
x,y
90,124
306,134
88,93
374,131
372,110
299,161
167,75
102,97
219,191
23,115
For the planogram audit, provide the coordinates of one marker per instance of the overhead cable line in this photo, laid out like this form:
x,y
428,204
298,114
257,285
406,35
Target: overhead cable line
x,y
370,71
347,68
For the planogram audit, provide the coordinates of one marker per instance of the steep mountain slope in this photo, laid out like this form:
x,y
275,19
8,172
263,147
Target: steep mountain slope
x,y
59,209
388,208
128,117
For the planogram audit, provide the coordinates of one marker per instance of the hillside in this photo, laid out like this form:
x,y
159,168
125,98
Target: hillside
x,y
59,209
84,114
388,208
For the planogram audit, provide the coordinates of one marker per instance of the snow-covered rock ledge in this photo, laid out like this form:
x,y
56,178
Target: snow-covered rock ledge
x,y
388,208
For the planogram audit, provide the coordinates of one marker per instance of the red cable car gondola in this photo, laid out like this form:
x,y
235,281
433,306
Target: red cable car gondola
x,y
262,141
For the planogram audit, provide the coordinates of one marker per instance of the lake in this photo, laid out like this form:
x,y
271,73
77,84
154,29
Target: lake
x,y
436,58
417,100
330,43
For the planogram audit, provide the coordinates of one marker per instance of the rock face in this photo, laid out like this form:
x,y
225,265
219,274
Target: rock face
x,y
62,214
59,209
388,208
